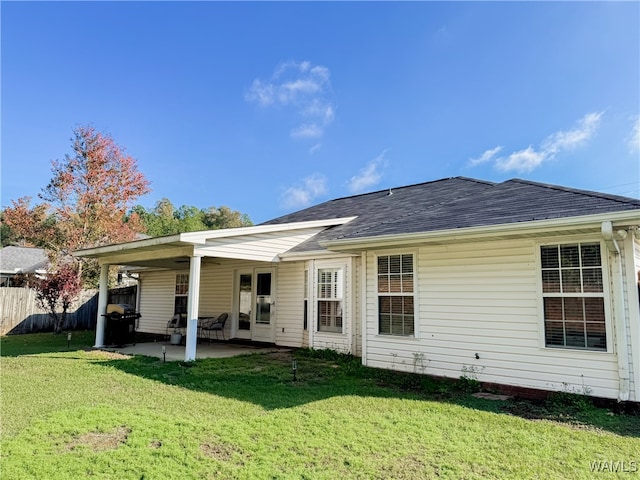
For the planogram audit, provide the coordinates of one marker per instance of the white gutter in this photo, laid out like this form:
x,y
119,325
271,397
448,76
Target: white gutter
x,y
485,231
618,309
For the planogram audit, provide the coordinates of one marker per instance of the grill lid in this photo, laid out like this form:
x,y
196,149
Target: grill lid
x,y
121,308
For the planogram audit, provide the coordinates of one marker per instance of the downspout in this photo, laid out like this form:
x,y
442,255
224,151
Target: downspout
x,y
618,310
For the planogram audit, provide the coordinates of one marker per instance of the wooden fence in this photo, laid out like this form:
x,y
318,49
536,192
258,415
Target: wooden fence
x,y
20,313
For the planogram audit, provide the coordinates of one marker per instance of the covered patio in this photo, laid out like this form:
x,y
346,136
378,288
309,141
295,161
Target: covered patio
x,y
195,262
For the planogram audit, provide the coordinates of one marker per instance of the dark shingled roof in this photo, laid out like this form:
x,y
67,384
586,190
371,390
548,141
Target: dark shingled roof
x,y
453,203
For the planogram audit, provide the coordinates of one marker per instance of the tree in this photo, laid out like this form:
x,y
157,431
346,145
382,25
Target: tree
x,y
87,200
58,290
224,217
165,219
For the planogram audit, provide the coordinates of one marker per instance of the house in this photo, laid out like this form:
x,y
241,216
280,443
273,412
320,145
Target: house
x,y
18,261
521,284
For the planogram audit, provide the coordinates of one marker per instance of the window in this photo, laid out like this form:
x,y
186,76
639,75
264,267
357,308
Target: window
x,y
330,299
573,296
182,290
395,295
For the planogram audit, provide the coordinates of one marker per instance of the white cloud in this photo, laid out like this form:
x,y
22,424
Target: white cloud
x,y
302,87
633,141
485,157
575,138
531,158
522,161
262,94
307,130
368,176
302,195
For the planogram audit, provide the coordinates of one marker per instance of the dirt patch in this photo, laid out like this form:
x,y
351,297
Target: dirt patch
x,y
155,444
106,355
284,355
100,441
219,451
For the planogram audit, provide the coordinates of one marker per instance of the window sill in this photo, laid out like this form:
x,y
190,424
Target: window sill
x,y
573,350
409,338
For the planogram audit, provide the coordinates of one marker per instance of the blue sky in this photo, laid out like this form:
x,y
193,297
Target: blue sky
x,y
271,107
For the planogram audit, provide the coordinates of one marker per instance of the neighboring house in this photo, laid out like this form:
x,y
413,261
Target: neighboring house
x,y
516,283
18,261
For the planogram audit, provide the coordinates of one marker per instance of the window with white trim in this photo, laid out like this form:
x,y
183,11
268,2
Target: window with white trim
x,y
573,296
396,311
330,299
181,292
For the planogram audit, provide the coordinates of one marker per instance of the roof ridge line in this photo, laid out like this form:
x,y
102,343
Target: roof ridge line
x,y
588,193
401,187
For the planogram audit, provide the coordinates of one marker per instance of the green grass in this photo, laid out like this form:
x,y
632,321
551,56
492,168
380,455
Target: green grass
x,y
74,413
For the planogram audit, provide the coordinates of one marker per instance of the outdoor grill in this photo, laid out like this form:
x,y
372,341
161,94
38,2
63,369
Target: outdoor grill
x,y
120,328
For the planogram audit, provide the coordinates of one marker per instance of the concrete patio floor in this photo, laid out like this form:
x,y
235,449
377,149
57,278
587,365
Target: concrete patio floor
x,y
203,350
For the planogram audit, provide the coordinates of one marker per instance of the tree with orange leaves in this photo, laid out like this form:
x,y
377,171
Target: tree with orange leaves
x,y
86,202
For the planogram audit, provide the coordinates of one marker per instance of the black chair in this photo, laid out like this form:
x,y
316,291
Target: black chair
x,y
216,325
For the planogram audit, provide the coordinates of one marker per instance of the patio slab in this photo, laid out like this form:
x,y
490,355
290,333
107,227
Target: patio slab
x,y
205,350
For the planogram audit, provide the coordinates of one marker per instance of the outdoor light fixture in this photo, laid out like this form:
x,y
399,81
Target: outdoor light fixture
x,y
68,339
294,369
164,354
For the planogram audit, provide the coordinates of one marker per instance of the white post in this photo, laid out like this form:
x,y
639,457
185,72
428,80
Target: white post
x,y
193,300
103,293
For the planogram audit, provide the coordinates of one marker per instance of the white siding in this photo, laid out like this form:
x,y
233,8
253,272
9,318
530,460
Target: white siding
x,y
157,294
482,298
263,247
357,305
631,265
216,297
290,305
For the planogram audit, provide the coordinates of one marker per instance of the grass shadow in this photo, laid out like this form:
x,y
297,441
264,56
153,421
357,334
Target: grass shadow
x,y
267,379
49,342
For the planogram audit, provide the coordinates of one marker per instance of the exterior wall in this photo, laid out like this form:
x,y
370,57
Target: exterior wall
x,y
290,304
156,297
216,296
357,305
632,274
483,298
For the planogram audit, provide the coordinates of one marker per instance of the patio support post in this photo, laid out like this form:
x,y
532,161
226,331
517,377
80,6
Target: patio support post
x,y
103,293
193,300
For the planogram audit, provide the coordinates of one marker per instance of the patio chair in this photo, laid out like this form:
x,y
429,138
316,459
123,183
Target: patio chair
x,y
216,325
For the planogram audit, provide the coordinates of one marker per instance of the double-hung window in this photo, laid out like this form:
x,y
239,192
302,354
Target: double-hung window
x,y
330,299
396,312
181,292
573,296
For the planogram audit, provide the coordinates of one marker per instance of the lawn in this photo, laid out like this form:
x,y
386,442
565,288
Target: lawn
x,y
76,413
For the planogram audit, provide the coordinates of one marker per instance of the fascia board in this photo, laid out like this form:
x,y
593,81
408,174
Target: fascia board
x,y
313,255
540,226
200,238
120,247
